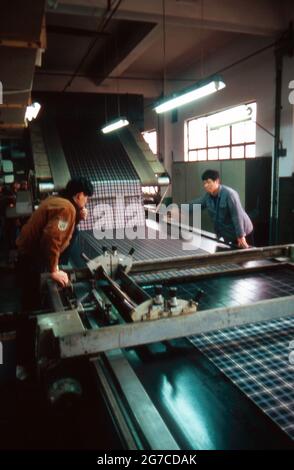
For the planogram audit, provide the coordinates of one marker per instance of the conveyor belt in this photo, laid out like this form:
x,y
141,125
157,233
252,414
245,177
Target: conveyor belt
x,y
94,155
240,289
183,273
107,209
202,408
151,244
254,357
105,162
151,248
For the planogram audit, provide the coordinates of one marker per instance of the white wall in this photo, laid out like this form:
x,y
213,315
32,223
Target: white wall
x,y
162,124
287,121
253,79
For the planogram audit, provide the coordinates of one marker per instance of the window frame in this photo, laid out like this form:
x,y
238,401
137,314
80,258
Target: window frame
x,y
188,149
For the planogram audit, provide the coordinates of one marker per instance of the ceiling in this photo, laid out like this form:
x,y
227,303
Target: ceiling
x,y
119,46
22,38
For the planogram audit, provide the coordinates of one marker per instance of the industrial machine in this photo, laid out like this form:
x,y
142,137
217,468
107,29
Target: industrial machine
x,y
117,315
185,349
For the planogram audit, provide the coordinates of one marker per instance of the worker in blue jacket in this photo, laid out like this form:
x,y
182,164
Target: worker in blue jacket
x,y
225,209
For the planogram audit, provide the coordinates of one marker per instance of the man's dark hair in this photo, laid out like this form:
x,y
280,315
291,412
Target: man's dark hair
x,y
79,185
210,175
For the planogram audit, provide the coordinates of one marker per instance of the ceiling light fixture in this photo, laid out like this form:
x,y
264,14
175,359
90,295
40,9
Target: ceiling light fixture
x,y
202,88
231,116
32,111
114,125
119,121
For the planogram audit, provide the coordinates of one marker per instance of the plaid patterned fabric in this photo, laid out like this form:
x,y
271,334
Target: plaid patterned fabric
x,y
255,357
182,273
113,204
145,249
96,156
104,161
231,290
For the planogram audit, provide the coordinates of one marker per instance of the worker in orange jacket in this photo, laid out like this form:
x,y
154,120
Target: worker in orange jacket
x,y
46,235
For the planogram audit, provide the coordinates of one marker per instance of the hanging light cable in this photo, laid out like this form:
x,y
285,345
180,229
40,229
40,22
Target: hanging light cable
x,y
202,88
120,121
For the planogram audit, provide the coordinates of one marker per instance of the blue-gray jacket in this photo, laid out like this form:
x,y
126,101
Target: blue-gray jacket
x,y
229,218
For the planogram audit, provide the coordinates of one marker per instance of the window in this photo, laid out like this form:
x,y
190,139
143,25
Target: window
x,y
151,138
229,134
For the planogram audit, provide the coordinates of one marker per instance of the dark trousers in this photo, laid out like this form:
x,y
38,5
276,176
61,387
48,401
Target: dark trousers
x,y
28,271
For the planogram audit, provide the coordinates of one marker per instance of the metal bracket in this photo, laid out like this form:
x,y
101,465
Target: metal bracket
x,y
149,310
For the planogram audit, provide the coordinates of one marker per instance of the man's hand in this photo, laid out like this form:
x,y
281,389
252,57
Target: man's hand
x,y
60,277
173,215
242,243
84,213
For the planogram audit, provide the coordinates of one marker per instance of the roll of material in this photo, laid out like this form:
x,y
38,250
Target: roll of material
x,y
163,180
46,187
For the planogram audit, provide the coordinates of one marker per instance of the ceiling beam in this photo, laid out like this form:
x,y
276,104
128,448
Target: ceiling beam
x,y
43,35
20,44
250,17
51,82
12,126
136,52
12,106
70,31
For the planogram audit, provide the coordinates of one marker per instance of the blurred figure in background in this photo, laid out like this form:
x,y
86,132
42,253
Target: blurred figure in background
x,y
24,186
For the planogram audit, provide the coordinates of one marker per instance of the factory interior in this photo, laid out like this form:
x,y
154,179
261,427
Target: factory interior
x,y
167,336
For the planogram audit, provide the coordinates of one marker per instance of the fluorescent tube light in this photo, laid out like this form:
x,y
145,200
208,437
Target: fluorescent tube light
x,y
230,116
114,125
203,88
32,111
